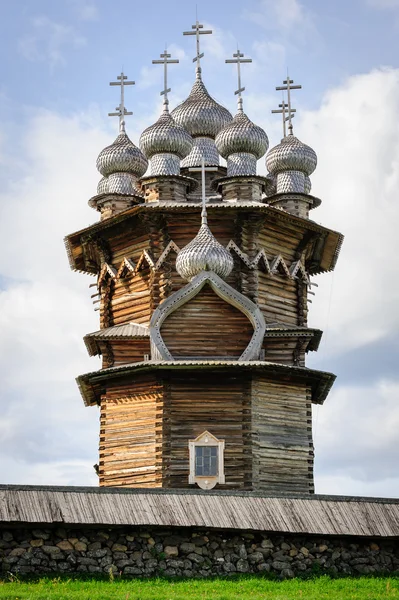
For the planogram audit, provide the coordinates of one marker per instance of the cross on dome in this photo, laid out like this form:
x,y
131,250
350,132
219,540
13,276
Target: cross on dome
x,y
238,59
198,30
203,169
121,111
283,111
287,87
166,60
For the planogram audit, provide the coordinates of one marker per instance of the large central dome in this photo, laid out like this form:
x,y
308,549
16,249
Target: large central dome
x,y
200,114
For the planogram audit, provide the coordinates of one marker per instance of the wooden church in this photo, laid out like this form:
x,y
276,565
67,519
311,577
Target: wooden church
x,y
203,274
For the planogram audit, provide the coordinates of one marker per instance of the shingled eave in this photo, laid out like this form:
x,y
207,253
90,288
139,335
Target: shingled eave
x,y
277,330
91,385
212,509
125,331
327,253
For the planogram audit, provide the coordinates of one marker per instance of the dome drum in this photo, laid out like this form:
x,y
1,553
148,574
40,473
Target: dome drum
x,y
165,164
203,147
123,183
241,188
241,163
290,181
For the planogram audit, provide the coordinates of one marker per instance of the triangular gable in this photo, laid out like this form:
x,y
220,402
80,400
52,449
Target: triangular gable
x,y
261,259
145,258
232,247
297,270
171,247
106,272
127,267
211,438
278,265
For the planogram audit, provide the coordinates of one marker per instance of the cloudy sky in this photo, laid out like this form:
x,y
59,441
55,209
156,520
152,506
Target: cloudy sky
x,y
57,60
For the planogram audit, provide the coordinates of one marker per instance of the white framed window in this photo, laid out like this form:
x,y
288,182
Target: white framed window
x,y
206,461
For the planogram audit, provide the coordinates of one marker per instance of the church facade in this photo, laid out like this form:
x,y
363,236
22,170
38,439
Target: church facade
x,y
203,280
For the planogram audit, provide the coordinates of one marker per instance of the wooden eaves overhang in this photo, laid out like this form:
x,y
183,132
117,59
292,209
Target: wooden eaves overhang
x,y
92,385
326,243
132,331
211,509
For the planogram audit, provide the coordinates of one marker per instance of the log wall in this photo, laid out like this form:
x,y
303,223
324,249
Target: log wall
x,y
278,298
129,351
131,434
282,448
207,327
215,403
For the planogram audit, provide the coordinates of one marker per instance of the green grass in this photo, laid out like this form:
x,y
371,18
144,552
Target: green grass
x,y
244,588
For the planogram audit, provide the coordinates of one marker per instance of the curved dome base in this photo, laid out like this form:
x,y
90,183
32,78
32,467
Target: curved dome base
x,y
159,351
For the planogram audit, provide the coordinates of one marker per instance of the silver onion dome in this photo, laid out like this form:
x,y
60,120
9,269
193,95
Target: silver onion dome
x,y
166,137
122,157
200,114
204,253
291,155
242,135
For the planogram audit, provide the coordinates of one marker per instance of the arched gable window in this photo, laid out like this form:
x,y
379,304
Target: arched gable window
x,y
206,461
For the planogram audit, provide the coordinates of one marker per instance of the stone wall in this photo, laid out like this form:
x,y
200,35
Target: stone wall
x,y
185,552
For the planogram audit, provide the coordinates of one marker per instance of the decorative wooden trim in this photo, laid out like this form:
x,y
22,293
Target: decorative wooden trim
x,y
106,271
224,291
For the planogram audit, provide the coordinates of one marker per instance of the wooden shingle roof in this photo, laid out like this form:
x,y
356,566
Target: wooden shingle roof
x,y
324,515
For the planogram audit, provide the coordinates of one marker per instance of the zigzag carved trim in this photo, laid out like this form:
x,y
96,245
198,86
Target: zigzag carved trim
x,y
276,265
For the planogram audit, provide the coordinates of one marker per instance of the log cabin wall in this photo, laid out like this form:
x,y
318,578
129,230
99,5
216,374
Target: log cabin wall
x,y
218,403
282,451
280,350
131,433
278,298
128,351
207,327
130,300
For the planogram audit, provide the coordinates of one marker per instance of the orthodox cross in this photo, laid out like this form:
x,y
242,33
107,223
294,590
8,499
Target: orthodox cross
x,y
198,30
238,60
283,111
202,169
288,87
121,111
165,62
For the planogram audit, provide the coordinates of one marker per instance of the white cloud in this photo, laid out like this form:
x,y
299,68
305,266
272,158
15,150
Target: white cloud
x,y
45,309
356,439
49,41
289,19
356,135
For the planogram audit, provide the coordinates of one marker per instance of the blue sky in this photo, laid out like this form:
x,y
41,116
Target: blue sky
x,y
58,58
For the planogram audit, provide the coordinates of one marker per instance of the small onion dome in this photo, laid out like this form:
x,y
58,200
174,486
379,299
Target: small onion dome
x,y
102,187
200,114
291,155
166,137
204,253
241,135
122,157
